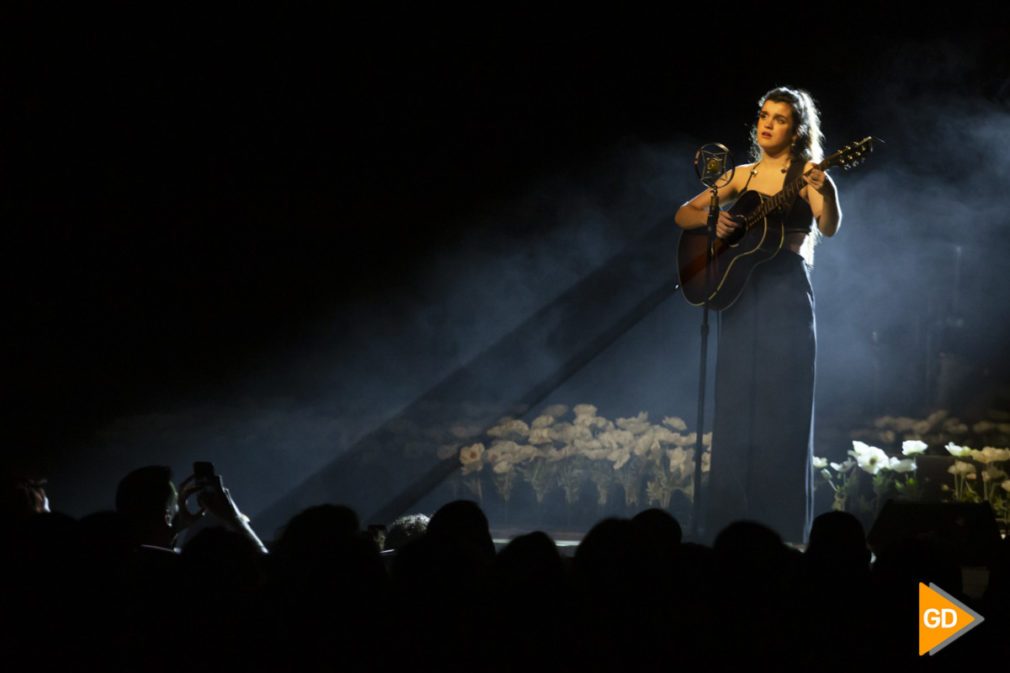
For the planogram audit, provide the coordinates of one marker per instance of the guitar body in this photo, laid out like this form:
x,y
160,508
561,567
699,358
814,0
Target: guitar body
x,y
718,276
721,278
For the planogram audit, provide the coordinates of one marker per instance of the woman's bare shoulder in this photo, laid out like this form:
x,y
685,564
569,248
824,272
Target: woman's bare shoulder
x,y
740,176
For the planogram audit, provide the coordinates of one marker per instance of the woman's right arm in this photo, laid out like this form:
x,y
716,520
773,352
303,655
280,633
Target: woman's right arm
x,y
694,213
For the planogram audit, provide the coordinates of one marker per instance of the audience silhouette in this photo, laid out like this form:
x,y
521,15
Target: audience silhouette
x,y
113,592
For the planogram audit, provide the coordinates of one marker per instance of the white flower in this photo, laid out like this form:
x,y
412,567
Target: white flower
x,y
588,447
470,458
992,473
494,453
646,444
555,410
859,448
585,416
902,465
937,416
842,468
678,458
911,447
543,421
598,422
676,423
636,424
664,435
958,451
1006,485
504,449
870,459
554,455
509,426
540,436
620,457
616,439
650,441
961,467
955,427
567,433
991,454
820,463
690,440
903,423
471,454
983,427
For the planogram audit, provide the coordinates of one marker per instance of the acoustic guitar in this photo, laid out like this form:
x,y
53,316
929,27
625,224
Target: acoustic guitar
x,y
716,270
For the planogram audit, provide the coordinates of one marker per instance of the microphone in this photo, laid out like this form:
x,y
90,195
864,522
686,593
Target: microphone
x,y
714,165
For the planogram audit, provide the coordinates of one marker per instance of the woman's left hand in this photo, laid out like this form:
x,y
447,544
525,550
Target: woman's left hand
x,y
818,179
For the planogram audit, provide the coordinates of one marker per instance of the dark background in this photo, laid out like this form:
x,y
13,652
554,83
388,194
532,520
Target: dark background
x,y
224,220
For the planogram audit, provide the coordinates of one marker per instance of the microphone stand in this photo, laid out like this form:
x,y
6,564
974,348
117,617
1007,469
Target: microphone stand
x,y
713,172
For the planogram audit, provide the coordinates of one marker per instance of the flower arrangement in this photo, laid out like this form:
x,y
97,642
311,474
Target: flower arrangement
x,y
977,475
887,474
572,449
969,465
575,450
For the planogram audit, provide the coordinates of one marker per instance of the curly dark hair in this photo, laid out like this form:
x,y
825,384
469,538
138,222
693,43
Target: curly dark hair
x,y
807,118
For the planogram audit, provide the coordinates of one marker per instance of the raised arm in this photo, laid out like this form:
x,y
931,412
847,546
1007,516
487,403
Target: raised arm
x,y
217,500
694,213
823,199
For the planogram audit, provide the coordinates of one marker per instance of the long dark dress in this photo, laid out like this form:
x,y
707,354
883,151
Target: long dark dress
x,y
762,440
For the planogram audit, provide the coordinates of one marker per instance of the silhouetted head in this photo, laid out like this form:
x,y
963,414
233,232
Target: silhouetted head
x,y
462,521
317,525
22,495
406,528
837,540
147,499
661,525
615,551
748,549
530,560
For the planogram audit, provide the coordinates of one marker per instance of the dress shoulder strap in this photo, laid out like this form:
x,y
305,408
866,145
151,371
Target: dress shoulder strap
x,y
791,212
795,171
750,174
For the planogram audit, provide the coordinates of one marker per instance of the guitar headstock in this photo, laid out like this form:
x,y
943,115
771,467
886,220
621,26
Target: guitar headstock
x,y
850,156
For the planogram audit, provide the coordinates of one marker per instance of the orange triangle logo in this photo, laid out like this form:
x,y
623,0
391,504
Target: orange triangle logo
x,y
942,619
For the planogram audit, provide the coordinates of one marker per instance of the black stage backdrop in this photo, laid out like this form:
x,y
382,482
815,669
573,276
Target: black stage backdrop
x,y
260,236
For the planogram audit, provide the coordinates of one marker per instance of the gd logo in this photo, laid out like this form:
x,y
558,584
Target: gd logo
x,y
942,619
